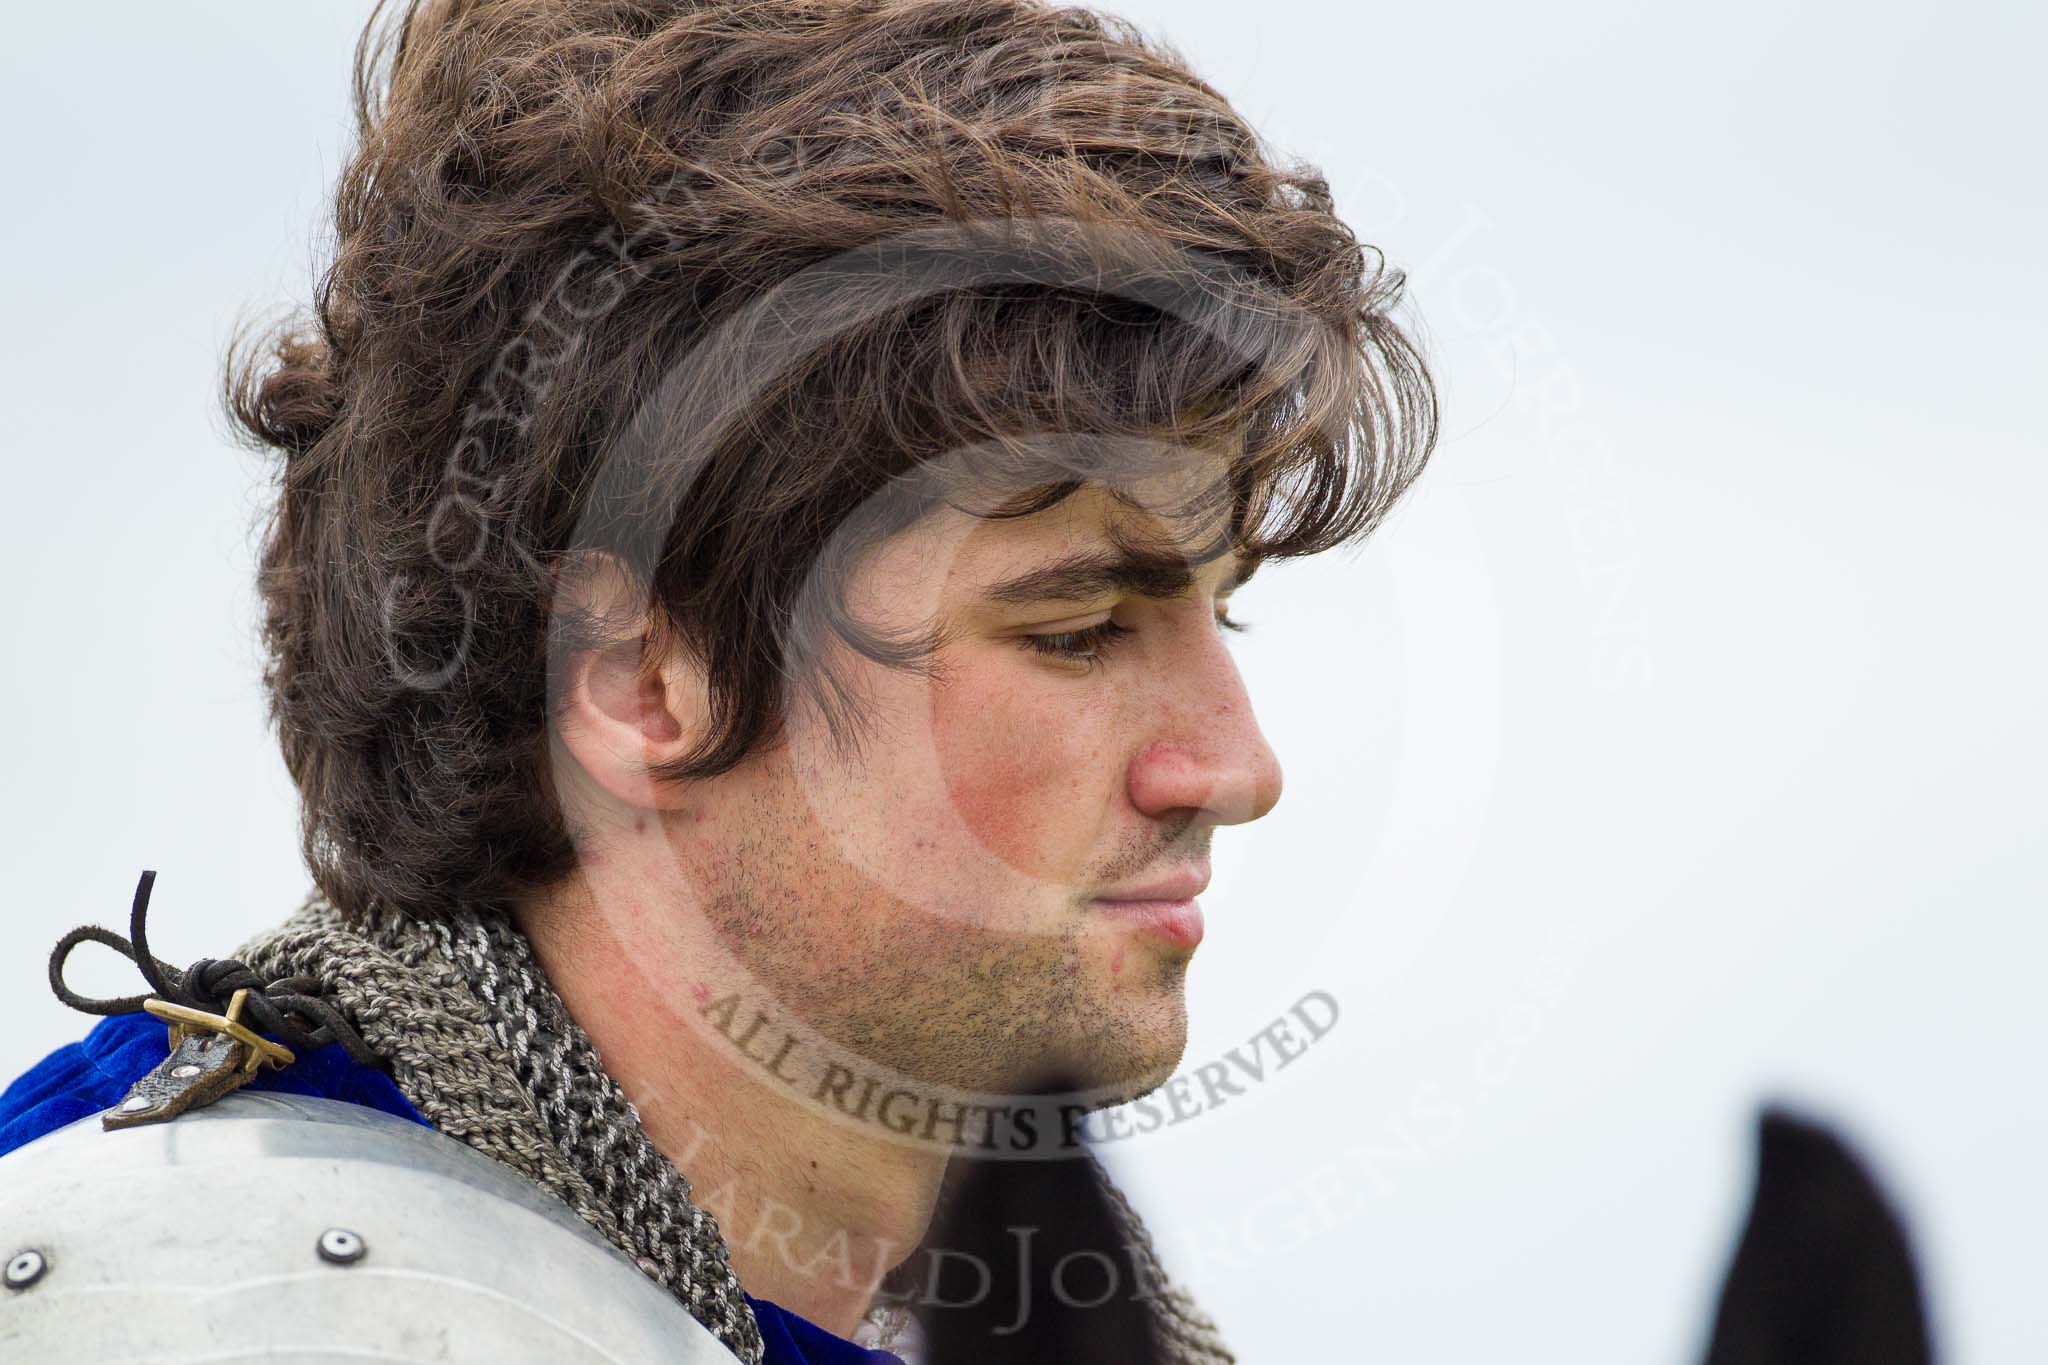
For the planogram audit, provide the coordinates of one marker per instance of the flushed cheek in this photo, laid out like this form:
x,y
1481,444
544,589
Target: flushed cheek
x,y
1028,778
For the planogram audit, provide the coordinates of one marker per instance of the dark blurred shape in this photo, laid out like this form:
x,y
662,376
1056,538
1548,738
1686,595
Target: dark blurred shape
x,y
1823,1274
1026,1265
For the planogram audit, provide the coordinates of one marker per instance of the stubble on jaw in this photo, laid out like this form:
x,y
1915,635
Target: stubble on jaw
x,y
956,1006
946,996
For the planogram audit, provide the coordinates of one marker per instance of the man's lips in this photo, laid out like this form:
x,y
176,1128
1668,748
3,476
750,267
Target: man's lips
x,y
1174,922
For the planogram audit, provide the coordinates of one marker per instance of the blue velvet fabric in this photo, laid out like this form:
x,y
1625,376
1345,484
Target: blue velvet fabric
x,y
83,1078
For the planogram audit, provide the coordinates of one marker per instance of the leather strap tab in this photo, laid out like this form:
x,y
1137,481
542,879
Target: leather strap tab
x,y
201,1068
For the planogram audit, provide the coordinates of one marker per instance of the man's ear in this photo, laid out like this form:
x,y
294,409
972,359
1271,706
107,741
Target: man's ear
x,y
634,702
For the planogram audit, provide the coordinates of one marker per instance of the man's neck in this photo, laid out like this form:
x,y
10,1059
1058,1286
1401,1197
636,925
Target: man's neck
x,y
814,1210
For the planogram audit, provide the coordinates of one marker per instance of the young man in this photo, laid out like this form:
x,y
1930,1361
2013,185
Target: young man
x,y
760,494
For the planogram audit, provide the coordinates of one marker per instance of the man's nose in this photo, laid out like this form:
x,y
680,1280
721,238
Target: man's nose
x,y
1207,754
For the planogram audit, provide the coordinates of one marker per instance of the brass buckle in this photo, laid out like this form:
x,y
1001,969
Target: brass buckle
x,y
186,1022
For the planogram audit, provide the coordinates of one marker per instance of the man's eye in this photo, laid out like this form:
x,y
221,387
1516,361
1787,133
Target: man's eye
x,y
1091,643
1078,646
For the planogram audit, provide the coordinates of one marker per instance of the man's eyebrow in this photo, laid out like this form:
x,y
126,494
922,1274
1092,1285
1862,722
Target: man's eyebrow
x,y
1098,573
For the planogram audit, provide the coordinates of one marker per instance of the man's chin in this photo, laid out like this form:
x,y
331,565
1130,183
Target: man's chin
x,y
1130,1063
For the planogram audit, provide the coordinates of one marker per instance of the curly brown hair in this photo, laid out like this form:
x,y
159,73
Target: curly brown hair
x,y
553,206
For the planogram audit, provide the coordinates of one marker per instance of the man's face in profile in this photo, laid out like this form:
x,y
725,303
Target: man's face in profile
x,y
986,887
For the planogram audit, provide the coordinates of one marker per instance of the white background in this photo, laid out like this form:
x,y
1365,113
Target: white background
x,y
1678,746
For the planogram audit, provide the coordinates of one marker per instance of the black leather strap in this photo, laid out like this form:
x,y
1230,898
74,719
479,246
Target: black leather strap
x,y
291,1009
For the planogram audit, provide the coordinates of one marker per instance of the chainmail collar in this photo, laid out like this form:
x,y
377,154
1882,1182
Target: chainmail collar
x,y
481,1045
